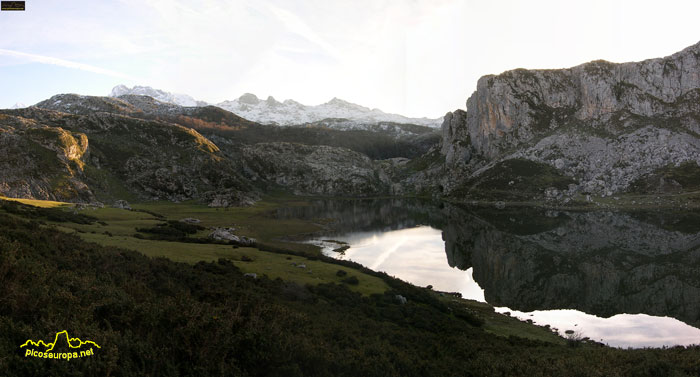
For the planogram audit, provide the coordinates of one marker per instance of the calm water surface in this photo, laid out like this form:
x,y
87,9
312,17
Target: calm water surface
x,y
628,279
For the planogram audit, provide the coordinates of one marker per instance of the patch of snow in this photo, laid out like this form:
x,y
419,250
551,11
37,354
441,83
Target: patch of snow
x,y
290,112
336,113
160,95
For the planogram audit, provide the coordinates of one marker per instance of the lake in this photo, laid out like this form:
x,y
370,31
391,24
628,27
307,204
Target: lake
x,y
626,279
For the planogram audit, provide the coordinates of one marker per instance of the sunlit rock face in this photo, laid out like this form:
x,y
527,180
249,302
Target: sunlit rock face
x,y
98,153
603,124
37,161
527,102
602,263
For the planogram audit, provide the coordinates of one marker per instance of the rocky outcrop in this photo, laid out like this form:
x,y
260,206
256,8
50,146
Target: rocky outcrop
x,y
42,162
315,169
122,204
603,124
227,234
456,145
49,157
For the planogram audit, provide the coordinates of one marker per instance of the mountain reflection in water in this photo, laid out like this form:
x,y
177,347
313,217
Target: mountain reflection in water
x,y
548,266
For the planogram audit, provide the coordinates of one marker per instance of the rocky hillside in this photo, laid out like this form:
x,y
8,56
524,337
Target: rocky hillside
x,y
38,161
89,149
598,128
104,156
316,170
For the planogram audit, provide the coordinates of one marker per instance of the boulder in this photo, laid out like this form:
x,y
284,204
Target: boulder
x,y
123,204
190,220
224,234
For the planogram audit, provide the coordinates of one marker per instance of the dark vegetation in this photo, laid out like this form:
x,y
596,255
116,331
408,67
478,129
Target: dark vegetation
x,y
670,179
47,214
158,317
516,179
376,145
172,231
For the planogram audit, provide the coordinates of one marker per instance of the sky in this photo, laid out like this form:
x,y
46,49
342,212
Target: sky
x,y
411,57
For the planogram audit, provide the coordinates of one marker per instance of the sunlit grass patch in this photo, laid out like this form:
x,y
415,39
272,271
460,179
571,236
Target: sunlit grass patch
x,y
248,259
39,203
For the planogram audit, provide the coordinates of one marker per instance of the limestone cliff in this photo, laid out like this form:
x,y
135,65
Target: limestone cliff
x,y
603,124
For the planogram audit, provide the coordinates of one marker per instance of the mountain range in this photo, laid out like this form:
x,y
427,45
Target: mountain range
x,y
565,137
90,149
336,113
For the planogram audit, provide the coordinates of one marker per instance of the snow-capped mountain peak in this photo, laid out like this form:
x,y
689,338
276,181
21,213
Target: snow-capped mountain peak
x,y
249,98
160,95
288,112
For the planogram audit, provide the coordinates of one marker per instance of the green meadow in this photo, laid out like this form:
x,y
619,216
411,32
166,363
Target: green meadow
x,y
118,228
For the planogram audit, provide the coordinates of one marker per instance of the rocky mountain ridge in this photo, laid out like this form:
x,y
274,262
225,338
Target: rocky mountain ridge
x,y
137,148
604,125
106,156
290,112
160,95
335,113
559,136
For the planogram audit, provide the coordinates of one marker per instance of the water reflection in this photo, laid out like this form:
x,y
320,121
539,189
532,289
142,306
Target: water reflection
x,y
636,274
413,254
602,263
621,330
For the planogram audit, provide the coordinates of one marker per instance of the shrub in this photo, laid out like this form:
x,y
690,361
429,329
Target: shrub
x,y
352,280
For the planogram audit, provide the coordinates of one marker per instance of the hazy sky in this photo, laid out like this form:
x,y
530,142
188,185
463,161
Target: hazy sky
x,y
413,57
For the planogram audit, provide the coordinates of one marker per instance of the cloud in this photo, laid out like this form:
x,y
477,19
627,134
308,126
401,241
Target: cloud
x,y
296,25
65,63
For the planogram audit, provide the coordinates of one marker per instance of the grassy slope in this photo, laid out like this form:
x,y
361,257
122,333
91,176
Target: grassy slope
x,y
254,222
117,227
157,317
